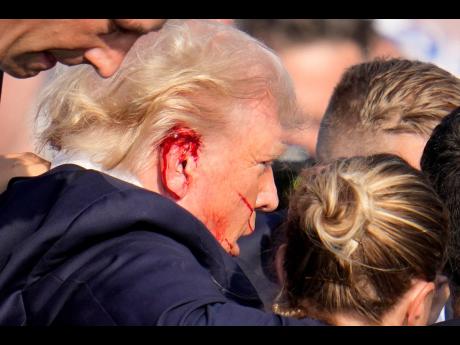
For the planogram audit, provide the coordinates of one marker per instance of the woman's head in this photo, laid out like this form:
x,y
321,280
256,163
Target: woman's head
x,y
361,232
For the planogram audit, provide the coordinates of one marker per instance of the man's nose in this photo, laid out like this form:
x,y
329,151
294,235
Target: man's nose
x,y
267,198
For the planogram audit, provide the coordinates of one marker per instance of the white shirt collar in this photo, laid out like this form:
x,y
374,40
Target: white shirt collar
x,y
83,161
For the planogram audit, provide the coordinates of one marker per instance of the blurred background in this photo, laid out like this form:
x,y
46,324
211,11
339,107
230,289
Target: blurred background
x,y
314,51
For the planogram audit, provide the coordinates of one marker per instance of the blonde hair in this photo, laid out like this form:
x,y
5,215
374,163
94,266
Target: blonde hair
x,y
358,231
386,97
191,73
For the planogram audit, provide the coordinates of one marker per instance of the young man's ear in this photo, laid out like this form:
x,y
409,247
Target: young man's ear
x,y
178,162
421,301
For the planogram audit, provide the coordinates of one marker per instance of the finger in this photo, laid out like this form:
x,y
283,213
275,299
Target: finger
x,y
107,59
141,26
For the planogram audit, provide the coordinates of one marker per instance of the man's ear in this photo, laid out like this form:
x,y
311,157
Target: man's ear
x,y
178,162
421,301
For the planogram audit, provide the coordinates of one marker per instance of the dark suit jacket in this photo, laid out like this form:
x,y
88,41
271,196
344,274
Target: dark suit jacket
x,y
257,255
80,247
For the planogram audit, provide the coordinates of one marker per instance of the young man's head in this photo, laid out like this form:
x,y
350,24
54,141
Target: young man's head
x,y
365,244
29,46
386,106
197,113
441,163
315,52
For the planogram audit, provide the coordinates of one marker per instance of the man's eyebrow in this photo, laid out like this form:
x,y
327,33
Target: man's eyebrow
x,y
278,150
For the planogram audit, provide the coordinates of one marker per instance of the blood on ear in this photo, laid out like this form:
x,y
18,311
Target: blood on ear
x,y
184,143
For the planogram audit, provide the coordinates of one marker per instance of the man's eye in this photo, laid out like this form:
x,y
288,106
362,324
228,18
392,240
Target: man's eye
x,y
266,164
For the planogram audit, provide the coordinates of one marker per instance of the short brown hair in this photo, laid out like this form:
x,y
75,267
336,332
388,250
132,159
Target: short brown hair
x,y
358,231
387,96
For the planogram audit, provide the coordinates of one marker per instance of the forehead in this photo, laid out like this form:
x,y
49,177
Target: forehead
x,y
257,128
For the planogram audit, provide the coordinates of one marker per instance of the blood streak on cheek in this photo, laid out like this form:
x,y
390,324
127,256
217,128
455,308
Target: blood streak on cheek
x,y
185,140
246,202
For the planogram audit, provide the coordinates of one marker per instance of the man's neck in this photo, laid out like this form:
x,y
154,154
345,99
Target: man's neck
x,y
347,320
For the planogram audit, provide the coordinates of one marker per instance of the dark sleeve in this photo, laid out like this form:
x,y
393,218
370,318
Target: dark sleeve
x,y
141,275
134,283
257,255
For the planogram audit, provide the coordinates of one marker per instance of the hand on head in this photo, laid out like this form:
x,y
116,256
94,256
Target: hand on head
x,y
30,46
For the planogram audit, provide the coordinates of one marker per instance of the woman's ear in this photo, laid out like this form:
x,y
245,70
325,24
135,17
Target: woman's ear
x,y
420,297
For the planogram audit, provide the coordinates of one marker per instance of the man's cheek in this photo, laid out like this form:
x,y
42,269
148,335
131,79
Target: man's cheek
x,y
217,224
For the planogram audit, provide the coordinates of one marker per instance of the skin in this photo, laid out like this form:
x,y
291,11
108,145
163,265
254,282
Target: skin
x,y
29,46
231,176
405,145
185,142
17,110
414,308
239,164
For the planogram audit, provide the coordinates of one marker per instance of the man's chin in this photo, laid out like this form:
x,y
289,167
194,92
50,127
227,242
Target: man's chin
x,y
249,228
234,250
